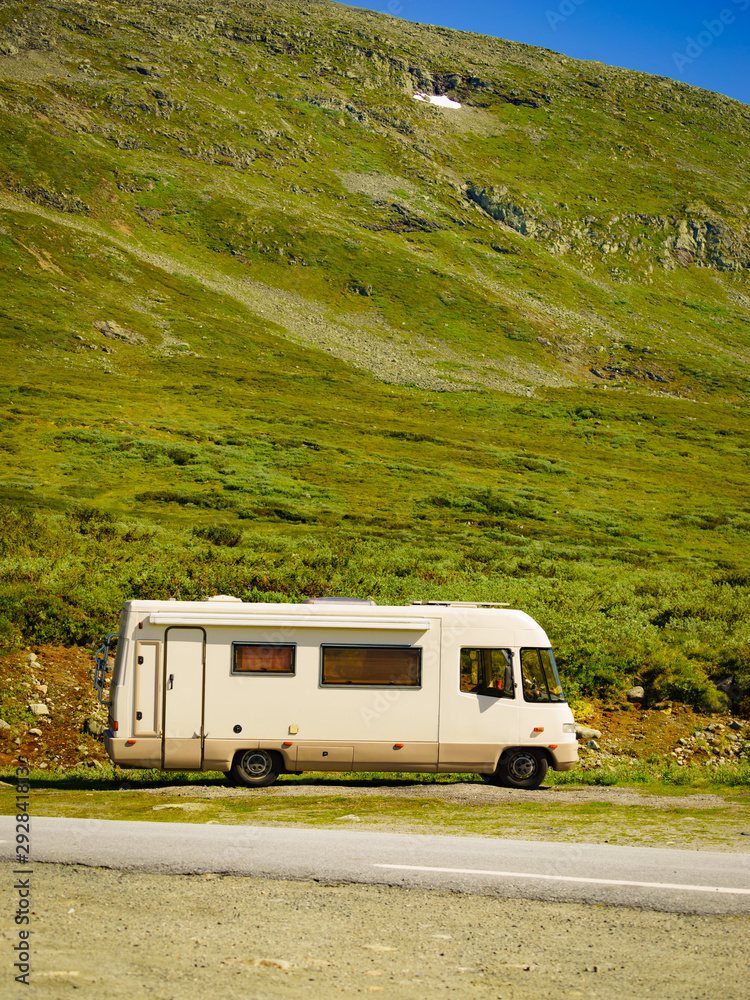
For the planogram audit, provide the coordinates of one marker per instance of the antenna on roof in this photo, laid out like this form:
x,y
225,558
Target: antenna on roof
x,y
462,604
339,600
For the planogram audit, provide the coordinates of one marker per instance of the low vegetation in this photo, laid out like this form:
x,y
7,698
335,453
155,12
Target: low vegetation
x,y
274,329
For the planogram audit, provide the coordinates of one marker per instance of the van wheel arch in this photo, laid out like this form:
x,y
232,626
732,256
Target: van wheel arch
x,y
520,767
256,768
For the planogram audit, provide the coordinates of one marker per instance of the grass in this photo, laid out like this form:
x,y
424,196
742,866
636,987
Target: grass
x,y
333,800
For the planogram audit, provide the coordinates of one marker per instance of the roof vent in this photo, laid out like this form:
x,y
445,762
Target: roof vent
x,y
225,599
339,600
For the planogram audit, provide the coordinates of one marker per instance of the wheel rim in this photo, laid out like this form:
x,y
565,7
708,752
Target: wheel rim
x,y
522,766
256,764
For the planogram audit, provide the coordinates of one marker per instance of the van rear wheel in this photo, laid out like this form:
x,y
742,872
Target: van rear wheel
x,y
520,768
255,768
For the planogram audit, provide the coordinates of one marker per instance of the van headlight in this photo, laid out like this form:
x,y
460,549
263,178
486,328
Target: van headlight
x,y
569,727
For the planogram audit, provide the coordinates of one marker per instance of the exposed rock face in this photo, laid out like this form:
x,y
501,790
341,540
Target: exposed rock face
x,y
701,238
496,203
108,328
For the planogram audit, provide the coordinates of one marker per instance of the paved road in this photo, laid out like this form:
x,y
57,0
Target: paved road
x,y
660,879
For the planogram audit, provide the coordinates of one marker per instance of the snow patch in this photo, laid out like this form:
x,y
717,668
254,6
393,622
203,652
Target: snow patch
x,y
439,99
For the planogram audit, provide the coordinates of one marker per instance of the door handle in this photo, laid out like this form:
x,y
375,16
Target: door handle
x,y
170,682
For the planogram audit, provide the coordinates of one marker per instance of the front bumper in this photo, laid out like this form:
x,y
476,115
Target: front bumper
x,y
564,756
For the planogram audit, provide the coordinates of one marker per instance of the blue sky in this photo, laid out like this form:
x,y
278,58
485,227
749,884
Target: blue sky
x,y
705,43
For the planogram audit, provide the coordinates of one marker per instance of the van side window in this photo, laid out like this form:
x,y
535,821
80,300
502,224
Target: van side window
x,y
487,672
262,658
539,676
397,666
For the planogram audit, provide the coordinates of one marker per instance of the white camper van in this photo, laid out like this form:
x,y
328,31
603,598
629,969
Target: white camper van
x,y
256,690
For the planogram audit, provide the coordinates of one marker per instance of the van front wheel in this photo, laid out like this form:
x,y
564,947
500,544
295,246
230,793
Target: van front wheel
x,y
520,768
255,768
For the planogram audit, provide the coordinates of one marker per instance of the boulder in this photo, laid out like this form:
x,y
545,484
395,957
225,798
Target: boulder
x,y
584,733
94,726
38,708
729,687
3,726
636,694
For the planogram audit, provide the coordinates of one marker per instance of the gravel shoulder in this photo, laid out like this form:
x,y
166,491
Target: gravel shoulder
x,y
129,935
468,793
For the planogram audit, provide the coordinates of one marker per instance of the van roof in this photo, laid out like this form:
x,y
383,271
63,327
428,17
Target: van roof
x,y
453,615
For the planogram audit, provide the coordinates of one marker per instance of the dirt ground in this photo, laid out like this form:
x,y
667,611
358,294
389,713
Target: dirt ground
x,y
101,933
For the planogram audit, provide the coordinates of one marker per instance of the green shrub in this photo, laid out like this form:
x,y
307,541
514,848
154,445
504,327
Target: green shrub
x,y
10,635
92,521
220,534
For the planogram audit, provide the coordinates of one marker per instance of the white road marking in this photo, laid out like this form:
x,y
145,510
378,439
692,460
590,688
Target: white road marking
x,y
571,878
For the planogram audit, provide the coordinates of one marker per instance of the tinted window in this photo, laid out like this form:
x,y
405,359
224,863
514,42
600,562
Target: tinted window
x,y
261,658
487,672
539,676
382,665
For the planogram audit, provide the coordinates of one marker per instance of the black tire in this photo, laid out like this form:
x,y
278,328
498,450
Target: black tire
x,y
522,767
255,768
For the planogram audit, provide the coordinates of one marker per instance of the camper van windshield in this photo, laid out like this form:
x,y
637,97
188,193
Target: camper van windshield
x,y
539,676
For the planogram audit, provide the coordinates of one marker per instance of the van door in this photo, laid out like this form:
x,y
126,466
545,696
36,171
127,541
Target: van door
x,y
183,686
479,699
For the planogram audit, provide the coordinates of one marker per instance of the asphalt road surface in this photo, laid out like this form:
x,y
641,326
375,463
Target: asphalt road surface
x,y
644,878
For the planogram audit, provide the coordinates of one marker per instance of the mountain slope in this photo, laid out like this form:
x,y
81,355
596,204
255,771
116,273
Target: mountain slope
x,y
272,325
596,209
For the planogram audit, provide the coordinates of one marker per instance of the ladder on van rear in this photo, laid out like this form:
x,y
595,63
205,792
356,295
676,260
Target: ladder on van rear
x,y
102,667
